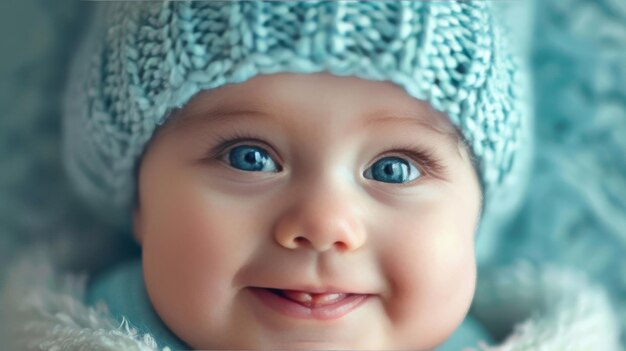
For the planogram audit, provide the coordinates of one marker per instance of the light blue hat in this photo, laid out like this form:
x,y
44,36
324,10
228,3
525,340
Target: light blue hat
x,y
142,59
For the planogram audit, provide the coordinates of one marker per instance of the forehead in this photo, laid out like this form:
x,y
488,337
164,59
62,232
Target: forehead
x,y
360,102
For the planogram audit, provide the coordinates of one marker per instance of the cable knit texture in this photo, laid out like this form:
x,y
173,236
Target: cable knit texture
x,y
141,59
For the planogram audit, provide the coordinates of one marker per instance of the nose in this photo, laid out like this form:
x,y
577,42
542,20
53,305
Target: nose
x,y
322,220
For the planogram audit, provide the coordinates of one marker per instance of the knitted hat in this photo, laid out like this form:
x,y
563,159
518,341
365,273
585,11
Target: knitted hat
x,y
142,59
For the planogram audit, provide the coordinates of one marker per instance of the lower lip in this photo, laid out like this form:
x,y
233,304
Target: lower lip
x,y
296,310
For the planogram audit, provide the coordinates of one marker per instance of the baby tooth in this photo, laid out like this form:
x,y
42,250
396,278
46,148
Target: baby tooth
x,y
299,296
323,299
311,299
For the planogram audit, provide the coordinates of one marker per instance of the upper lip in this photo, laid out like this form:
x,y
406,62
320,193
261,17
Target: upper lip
x,y
315,289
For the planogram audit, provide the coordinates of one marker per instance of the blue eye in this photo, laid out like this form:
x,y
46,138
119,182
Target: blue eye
x,y
392,170
251,159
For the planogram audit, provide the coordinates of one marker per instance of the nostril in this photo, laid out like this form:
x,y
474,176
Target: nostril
x,y
301,240
341,246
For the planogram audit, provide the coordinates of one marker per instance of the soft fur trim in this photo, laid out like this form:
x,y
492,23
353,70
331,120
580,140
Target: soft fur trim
x,y
545,308
42,309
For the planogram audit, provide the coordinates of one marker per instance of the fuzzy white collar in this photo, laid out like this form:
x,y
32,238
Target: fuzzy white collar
x,y
528,307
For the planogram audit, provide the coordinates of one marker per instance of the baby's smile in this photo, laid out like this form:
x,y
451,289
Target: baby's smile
x,y
310,305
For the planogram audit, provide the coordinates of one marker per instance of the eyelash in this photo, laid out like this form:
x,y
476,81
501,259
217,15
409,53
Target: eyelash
x,y
425,160
224,142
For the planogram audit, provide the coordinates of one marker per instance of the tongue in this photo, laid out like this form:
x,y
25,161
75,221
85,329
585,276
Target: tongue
x,y
312,300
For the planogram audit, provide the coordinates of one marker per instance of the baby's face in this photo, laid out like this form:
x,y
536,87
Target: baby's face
x,y
308,212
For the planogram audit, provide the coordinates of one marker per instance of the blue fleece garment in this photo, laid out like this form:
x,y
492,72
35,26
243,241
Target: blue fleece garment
x,y
124,292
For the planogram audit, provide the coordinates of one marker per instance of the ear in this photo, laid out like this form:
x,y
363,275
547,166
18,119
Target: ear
x,y
137,226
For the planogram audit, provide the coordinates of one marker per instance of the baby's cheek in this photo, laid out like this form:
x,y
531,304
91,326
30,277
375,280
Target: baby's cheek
x,y
190,258
432,272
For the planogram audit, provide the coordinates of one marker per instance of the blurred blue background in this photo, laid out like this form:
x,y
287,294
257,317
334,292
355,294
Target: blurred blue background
x,y
575,211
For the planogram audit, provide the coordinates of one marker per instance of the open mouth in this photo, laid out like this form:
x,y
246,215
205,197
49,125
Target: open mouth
x,y
311,300
307,305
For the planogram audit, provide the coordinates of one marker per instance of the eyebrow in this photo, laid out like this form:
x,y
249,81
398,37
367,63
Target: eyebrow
x,y
180,118
438,123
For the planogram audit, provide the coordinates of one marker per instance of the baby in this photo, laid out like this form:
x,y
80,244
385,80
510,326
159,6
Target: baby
x,y
299,175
